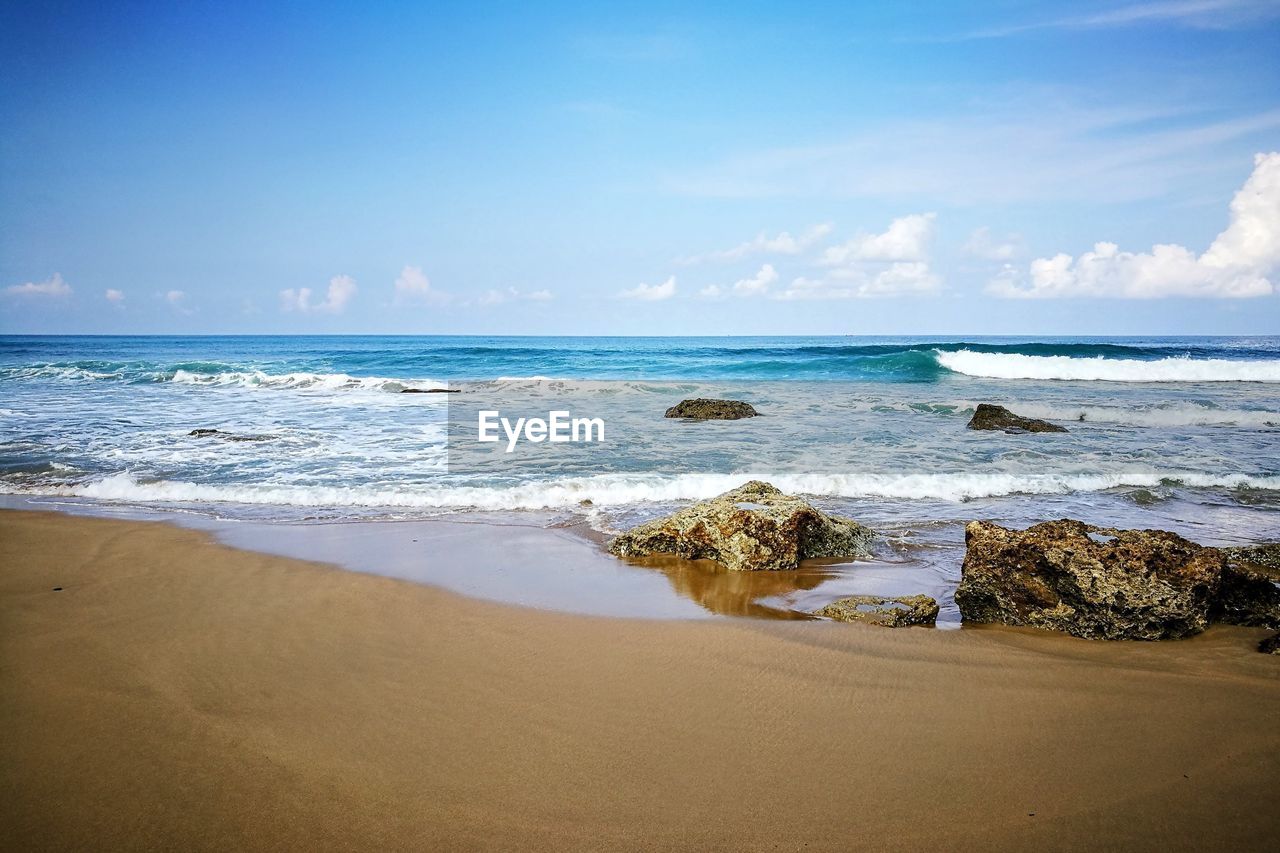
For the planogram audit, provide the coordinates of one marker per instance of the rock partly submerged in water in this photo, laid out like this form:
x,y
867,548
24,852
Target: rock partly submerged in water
x,y
703,409
898,612
1249,594
754,527
430,390
227,436
987,416
1270,646
1089,581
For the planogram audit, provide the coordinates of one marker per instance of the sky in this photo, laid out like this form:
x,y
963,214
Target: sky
x,y
657,168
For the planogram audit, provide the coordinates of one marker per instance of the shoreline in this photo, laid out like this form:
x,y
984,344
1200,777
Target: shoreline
x,y
563,565
180,693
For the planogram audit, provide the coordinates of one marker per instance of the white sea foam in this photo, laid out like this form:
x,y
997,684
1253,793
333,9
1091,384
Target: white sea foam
x,y
625,489
302,381
992,365
59,371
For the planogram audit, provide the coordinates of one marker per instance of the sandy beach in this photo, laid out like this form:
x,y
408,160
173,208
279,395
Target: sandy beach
x,y
179,694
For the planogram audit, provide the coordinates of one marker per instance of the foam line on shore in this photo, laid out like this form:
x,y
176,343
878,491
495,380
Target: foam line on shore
x,y
624,489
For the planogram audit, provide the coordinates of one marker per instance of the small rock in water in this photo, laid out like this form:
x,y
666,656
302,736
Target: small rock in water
x,y
1270,646
57,589
703,409
887,612
753,527
229,436
987,416
430,390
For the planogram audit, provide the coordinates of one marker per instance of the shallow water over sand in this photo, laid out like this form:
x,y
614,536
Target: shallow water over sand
x,y
554,561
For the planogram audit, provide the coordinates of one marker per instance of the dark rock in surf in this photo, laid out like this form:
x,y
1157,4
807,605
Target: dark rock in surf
x,y
1090,582
1270,646
1249,594
703,409
887,612
228,436
430,390
751,528
987,416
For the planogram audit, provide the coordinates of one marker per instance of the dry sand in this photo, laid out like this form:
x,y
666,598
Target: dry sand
x,y
178,694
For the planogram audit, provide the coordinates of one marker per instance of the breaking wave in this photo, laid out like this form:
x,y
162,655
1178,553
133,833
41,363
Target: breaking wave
x,y
990,365
302,381
214,375
623,489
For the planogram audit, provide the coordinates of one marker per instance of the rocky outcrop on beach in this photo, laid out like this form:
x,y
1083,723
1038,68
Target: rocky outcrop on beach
x,y
987,416
1089,581
227,436
755,527
703,409
1248,594
898,612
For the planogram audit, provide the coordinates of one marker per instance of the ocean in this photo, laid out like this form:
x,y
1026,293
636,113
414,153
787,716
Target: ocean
x,y
1174,433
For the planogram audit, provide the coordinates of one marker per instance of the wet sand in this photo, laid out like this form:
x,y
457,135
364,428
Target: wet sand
x,y
180,694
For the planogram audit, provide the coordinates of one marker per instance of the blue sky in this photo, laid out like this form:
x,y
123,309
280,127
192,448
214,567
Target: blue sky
x,y
682,168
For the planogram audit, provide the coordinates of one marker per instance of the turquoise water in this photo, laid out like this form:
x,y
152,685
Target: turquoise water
x,y
306,361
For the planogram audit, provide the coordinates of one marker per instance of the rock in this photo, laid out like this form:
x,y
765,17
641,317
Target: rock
x,y
217,433
1270,646
888,612
1248,594
1088,581
703,409
430,390
751,528
987,416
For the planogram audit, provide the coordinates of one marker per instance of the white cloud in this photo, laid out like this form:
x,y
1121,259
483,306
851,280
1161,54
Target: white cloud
x,y
115,297
177,300
781,244
982,245
1020,144
511,294
412,285
54,287
652,292
341,289
1201,14
758,283
894,262
903,278
1236,265
906,239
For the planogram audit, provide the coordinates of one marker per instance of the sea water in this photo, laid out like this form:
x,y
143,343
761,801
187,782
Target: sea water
x,y
1174,433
